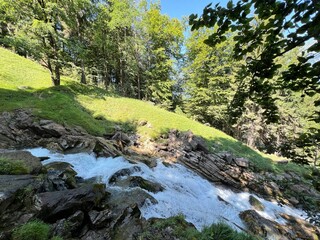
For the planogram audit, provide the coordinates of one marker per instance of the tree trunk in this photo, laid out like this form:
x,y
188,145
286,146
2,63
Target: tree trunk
x,y
83,74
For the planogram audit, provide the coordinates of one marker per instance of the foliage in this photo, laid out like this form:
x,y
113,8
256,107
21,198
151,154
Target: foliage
x,y
284,26
210,79
13,167
179,228
98,112
34,230
222,231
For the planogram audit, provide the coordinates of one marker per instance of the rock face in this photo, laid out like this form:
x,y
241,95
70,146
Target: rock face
x,y
267,229
52,206
10,187
192,152
20,129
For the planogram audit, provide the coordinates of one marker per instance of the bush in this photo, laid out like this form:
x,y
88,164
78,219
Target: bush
x,y
222,231
34,230
12,167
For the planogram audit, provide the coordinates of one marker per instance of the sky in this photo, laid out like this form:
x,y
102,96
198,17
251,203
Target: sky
x,y
180,8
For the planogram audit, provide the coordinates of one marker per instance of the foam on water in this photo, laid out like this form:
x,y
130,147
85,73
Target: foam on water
x,y
185,192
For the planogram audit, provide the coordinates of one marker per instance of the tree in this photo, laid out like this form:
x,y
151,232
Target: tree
x,y
164,37
285,26
39,32
210,79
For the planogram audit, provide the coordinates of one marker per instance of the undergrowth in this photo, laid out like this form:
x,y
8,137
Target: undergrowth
x,y
13,167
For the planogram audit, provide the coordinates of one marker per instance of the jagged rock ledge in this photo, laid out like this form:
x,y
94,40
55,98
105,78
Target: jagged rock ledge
x,y
99,215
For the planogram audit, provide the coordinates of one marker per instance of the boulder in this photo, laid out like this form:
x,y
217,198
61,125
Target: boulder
x,y
31,163
69,227
120,200
255,203
10,188
60,176
136,181
52,206
124,173
292,230
261,226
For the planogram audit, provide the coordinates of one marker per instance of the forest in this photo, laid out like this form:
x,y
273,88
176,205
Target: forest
x,y
252,74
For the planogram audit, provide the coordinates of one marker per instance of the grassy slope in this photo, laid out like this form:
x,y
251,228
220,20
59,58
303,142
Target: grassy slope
x,y
25,84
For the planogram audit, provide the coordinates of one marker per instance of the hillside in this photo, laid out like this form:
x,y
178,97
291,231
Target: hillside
x,y
26,84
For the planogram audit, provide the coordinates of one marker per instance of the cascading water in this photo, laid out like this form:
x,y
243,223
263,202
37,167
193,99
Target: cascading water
x,y
201,202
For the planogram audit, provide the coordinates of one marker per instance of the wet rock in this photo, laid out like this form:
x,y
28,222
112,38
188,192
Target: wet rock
x,y
255,203
60,176
261,226
292,230
31,163
120,200
124,173
136,181
52,206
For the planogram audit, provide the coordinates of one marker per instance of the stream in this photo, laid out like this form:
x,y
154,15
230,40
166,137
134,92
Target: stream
x,y
201,202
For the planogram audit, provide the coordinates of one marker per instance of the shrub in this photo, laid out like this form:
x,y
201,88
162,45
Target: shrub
x,y
222,231
34,230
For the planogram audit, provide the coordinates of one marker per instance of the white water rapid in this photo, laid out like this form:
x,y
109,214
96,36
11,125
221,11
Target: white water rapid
x,y
185,192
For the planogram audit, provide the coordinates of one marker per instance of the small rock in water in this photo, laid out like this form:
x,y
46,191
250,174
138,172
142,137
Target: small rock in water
x,y
255,203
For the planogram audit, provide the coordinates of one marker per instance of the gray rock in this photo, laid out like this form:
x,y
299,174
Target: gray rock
x,y
100,219
123,173
52,206
68,227
241,162
10,187
60,176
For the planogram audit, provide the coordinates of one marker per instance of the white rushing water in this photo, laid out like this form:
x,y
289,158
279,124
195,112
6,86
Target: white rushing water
x,y
185,192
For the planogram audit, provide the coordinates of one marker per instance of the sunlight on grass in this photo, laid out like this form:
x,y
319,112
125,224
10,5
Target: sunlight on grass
x,y
26,84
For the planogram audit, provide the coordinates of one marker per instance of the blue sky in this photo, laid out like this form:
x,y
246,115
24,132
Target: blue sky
x,y
180,8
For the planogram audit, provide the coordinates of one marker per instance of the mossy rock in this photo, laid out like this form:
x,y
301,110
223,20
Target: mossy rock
x,y
19,163
137,181
255,203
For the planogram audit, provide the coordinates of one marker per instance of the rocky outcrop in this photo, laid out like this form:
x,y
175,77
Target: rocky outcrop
x,y
52,206
60,176
267,229
20,129
192,151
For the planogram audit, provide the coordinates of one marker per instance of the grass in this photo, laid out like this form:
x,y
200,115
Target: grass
x,y
26,84
34,230
180,229
11,167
